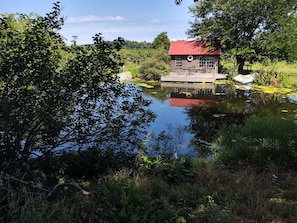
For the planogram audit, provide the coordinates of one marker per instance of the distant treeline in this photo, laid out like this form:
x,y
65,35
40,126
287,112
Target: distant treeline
x,y
137,45
132,44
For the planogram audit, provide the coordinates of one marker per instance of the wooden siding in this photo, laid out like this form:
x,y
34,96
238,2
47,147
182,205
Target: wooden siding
x,y
193,66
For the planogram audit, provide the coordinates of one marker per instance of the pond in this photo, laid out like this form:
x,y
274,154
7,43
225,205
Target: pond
x,y
189,115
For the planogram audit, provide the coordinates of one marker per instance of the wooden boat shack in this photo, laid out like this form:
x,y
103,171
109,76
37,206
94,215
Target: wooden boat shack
x,y
193,61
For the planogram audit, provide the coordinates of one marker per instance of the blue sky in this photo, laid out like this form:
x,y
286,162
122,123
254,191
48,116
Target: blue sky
x,y
139,20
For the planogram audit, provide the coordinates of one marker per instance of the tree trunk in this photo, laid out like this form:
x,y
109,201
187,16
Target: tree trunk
x,y
240,62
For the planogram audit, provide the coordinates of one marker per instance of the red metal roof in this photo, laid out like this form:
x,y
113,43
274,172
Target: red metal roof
x,y
191,47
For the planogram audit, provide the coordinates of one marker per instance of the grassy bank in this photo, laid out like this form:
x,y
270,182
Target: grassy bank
x,y
289,70
205,193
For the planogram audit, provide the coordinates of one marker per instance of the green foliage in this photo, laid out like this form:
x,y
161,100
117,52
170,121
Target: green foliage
x,y
30,55
76,165
134,69
54,96
152,70
178,2
213,194
247,29
93,163
205,121
128,44
146,63
161,41
289,70
155,67
47,98
270,77
259,141
231,67
135,56
172,170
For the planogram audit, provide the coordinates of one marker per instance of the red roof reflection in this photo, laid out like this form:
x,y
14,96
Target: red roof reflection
x,y
189,102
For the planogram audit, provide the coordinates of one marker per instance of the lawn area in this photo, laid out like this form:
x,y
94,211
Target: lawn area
x,y
281,67
288,69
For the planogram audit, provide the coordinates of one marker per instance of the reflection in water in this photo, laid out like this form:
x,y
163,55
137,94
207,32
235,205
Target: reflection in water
x,y
204,108
190,95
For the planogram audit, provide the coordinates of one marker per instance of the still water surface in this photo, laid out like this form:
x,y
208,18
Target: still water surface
x,y
202,108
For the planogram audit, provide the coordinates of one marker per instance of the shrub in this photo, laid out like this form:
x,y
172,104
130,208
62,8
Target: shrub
x,y
87,164
270,77
155,67
260,140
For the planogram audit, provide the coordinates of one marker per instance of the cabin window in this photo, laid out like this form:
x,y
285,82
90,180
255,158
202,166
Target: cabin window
x,y
178,62
206,62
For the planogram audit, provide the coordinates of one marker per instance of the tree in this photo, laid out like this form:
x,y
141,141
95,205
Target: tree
x,y
178,2
54,97
247,29
128,44
161,41
155,67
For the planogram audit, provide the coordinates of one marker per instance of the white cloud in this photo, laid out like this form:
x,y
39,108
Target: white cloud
x,y
130,29
92,18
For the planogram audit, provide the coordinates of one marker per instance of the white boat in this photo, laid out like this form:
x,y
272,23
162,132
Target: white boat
x,y
245,78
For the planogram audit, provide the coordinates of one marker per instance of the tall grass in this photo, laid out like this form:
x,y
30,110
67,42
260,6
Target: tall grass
x,y
287,70
134,69
214,194
260,141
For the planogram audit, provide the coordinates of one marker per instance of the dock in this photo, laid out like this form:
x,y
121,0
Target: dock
x,y
193,77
